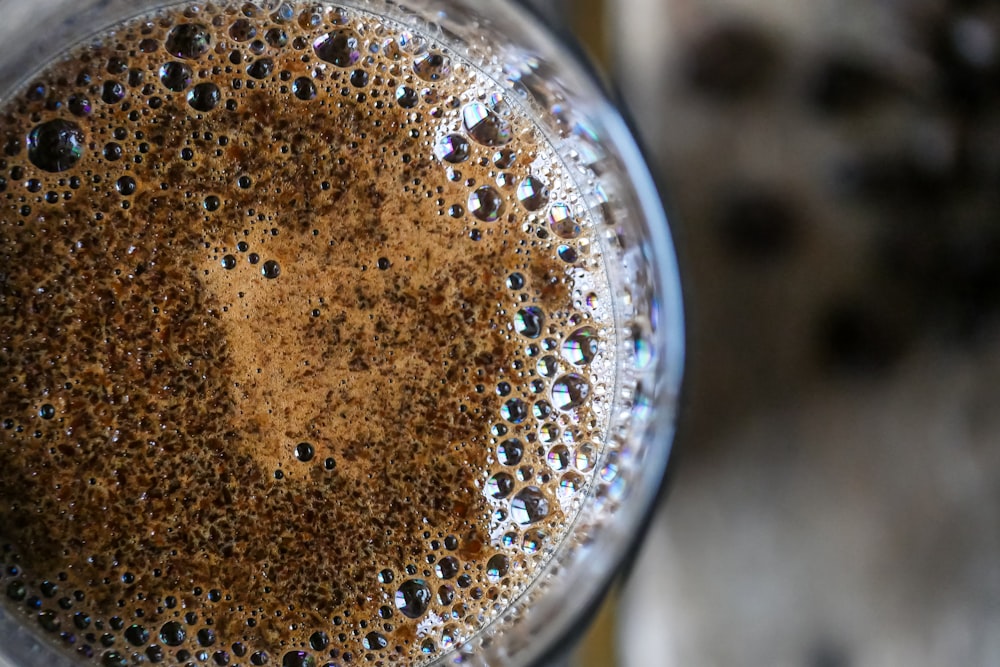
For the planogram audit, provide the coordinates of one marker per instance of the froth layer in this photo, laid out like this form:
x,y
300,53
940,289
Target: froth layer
x,y
300,359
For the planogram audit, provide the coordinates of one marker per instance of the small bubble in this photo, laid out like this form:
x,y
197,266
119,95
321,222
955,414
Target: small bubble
x,y
228,262
500,485
16,590
259,658
112,151
206,637
56,145
515,281
456,211
79,105
432,66
373,641
504,158
532,541
319,640
176,76
558,458
529,321
126,186
562,222
188,40
497,568
136,635
580,347
486,204
383,263
113,92
242,30
113,659
529,505
253,258
567,253
548,433
270,269
173,633
386,577
406,97
276,37
261,68
329,464
485,126
413,598
510,452
155,653
359,78
453,148
339,47
298,659
548,366
212,203
204,97
244,182
304,89
47,411
532,193
570,391
447,567
304,452
515,411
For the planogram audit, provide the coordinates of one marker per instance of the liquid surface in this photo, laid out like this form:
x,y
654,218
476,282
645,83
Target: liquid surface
x,y
300,357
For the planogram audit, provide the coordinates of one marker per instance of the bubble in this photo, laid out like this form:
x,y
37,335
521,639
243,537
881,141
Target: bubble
x,y
447,567
548,433
541,410
126,186
558,458
56,145
515,281
242,30
359,78
548,366
298,659
112,151
16,590
500,485
260,658
580,347
304,89
515,411
532,541
386,576
585,458
204,97
529,321
432,66
188,40
561,221
510,452
570,483
570,391
155,653
485,126
339,47
383,263
47,411
486,204
445,595
453,148
136,635
529,506
176,76
113,659
228,262
319,640
427,646
406,97
79,105
497,568
173,633
504,158
304,452
261,68
212,203
567,253
276,37
532,193
270,269
413,598
113,92
206,637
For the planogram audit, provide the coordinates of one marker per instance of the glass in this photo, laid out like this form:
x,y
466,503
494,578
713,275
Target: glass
x,y
545,78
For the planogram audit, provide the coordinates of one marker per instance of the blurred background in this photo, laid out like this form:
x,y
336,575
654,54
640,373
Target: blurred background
x,y
832,173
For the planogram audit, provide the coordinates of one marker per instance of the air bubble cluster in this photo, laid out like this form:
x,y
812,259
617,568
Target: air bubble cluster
x,y
302,365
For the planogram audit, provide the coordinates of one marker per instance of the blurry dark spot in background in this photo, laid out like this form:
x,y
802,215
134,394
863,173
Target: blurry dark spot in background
x,y
860,336
757,224
731,61
847,84
828,654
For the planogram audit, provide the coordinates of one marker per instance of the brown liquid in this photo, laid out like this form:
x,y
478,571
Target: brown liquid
x,y
262,352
